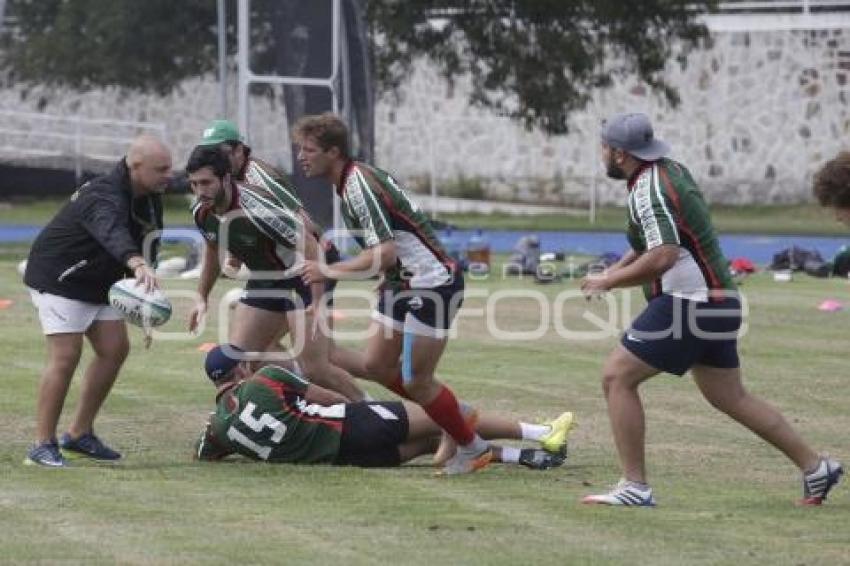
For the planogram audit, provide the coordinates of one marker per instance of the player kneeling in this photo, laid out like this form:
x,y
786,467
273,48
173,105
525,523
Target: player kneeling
x,y
276,416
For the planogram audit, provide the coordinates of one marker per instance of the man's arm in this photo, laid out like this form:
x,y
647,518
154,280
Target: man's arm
x,y
210,271
368,263
208,449
321,396
641,269
628,258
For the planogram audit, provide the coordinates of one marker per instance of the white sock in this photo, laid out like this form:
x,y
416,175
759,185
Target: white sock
x,y
510,455
534,431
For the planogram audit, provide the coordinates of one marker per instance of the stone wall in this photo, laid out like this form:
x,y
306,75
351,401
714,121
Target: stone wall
x,y
760,111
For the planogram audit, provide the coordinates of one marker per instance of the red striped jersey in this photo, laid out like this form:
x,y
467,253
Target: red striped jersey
x,y
666,207
267,418
376,209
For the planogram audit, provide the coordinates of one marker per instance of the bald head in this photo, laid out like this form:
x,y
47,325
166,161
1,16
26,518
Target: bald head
x,y
149,162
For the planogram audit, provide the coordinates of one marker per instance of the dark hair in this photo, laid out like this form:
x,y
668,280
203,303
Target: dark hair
x,y
832,182
246,149
327,129
208,156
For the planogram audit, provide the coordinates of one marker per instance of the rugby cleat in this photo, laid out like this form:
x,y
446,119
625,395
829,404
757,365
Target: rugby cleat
x,y
90,446
537,459
556,441
448,447
817,484
626,493
46,454
466,462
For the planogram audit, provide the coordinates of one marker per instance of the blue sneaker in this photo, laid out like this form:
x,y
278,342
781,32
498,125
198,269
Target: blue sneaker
x,y
816,485
46,454
89,445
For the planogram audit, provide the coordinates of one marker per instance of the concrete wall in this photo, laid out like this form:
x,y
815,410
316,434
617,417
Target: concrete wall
x,y
760,111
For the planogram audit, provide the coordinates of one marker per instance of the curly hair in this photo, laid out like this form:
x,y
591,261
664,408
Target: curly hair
x,y
327,129
832,182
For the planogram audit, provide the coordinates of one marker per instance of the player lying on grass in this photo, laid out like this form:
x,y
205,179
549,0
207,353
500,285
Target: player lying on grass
x,y
277,416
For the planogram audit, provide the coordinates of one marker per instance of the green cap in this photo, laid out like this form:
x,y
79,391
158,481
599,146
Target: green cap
x,y
220,131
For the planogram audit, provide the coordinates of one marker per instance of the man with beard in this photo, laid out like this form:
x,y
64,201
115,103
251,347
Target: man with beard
x,y
692,318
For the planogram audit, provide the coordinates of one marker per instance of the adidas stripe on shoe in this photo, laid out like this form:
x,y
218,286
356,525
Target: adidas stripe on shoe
x,y
817,484
625,494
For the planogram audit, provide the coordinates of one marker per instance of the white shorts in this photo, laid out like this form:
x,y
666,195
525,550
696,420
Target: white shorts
x,y
60,315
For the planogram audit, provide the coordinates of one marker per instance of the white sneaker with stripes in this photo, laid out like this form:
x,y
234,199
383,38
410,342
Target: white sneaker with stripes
x,y
817,484
626,493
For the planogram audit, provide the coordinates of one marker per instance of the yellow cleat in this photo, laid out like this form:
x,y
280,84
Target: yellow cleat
x,y
556,441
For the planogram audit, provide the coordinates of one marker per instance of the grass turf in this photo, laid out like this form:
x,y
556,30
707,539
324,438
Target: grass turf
x,y
786,219
723,495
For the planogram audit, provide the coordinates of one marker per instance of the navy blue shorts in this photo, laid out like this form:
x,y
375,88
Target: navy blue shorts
x,y
284,295
434,308
674,334
371,434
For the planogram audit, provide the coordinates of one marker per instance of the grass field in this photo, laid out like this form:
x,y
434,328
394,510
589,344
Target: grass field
x,y
724,497
790,219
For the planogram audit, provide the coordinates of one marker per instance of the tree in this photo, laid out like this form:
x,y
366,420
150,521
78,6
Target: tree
x,y
533,60
536,60
148,45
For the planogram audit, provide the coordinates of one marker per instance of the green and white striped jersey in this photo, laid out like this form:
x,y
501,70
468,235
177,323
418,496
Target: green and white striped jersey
x,y
259,228
261,174
666,207
376,209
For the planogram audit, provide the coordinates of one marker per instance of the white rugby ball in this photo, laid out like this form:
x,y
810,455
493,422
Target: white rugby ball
x,y
137,306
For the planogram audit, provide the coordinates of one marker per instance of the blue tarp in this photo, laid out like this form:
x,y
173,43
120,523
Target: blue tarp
x,y
759,249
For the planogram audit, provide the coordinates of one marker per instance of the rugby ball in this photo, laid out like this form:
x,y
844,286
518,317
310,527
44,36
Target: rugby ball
x,y
138,307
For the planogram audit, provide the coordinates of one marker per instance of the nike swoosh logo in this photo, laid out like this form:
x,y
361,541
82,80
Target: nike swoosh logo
x,y
631,338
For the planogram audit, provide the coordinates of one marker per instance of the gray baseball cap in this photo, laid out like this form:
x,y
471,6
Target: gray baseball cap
x,y
632,132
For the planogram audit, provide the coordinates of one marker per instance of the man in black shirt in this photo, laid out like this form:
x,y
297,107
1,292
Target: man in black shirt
x,y
101,235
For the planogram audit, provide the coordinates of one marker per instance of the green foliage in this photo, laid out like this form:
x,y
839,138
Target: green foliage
x,y
533,60
85,44
536,61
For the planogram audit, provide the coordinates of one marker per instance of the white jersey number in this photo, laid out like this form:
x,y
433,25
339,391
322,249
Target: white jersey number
x,y
257,425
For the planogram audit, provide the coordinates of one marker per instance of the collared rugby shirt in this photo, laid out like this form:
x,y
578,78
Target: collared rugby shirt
x,y
259,229
267,418
376,209
666,207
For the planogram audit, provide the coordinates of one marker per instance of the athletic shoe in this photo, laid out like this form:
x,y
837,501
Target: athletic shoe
x,y
448,447
556,441
626,493
466,462
817,484
537,459
46,454
89,445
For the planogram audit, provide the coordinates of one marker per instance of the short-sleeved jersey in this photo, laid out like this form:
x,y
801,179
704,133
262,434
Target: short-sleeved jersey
x,y
267,418
260,230
261,174
666,207
376,209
